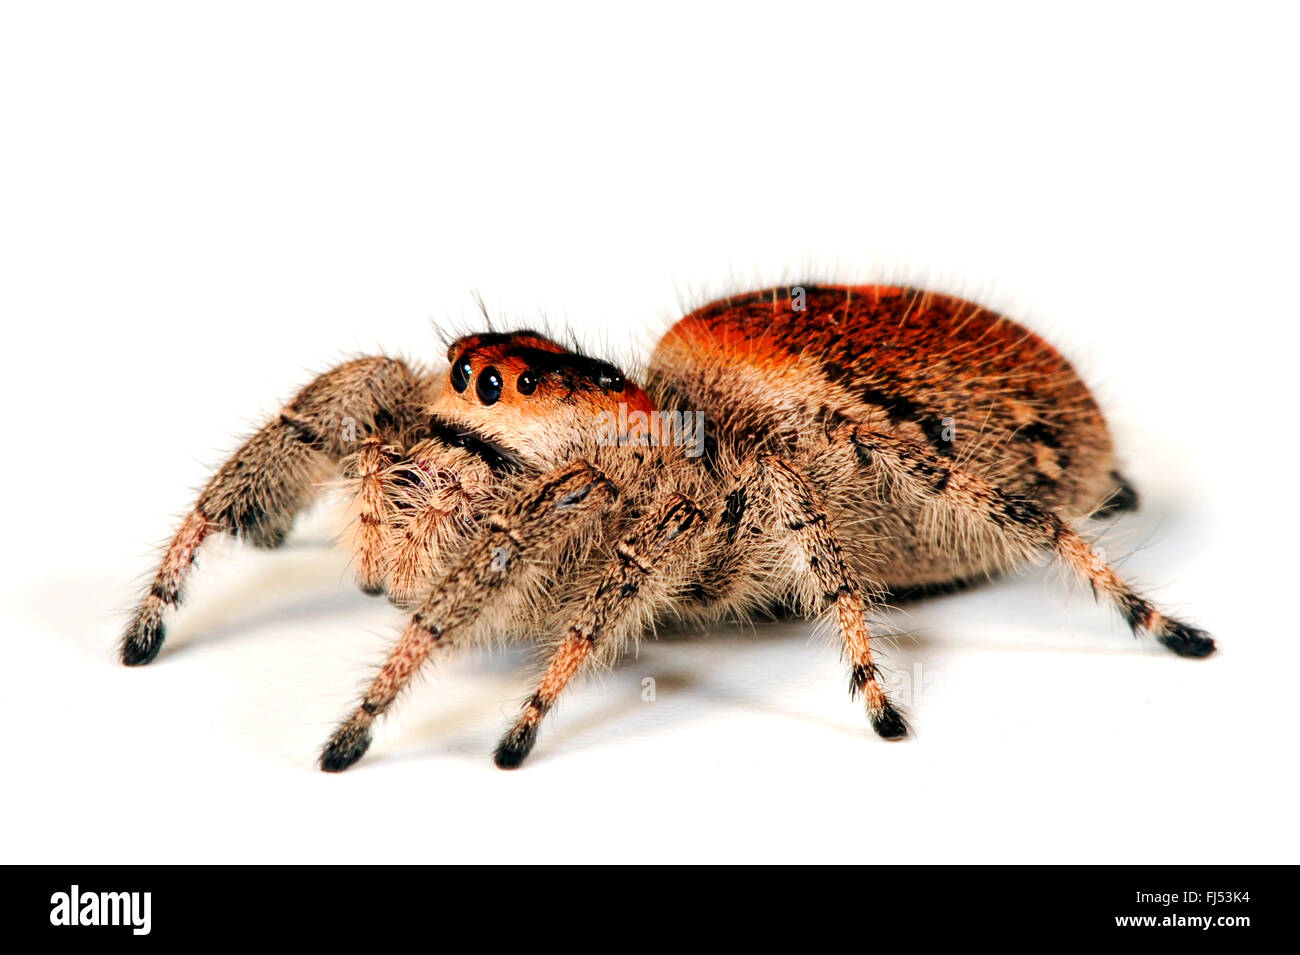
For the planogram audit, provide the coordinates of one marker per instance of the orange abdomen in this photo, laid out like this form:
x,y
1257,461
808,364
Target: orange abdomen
x,y
964,382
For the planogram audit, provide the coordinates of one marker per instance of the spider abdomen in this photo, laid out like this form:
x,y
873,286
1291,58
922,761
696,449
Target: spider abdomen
x,y
779,369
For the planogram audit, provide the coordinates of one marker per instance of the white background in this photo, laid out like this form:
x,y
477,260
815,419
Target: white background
x,y
202,207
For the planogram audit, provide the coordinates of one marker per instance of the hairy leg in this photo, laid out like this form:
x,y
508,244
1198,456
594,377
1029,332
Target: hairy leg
x,y
1121,500
432,513
624,595
482,588
1022,527
259,491
799,511
371,509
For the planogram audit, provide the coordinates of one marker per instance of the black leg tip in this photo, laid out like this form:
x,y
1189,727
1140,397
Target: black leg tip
x,y
348,744
372,590
142,643
889,723
1187,641
1121,501
515,747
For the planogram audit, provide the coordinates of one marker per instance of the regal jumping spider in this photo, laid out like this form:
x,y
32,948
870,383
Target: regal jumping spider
x,y
859,442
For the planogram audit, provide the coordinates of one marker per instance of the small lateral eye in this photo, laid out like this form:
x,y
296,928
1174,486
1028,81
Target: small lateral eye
x,y
460,374
611,379
527,383
489,385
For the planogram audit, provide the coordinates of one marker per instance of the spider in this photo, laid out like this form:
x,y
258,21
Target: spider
x,y
857,443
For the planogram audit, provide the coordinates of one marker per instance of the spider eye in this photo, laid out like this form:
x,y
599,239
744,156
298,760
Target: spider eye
x,y
489,385
610,378
527,383
460,374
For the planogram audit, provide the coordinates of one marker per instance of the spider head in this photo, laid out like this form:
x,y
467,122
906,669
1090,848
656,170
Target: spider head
x,y
533,401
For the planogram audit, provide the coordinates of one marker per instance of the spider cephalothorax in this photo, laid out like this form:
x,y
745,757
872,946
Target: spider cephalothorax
x,y
857,442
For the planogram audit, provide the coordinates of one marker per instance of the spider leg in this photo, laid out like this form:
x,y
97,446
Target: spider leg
x,y
429,513
624,590
1022,526
372,509
1123,499
482,587
259,491
798,510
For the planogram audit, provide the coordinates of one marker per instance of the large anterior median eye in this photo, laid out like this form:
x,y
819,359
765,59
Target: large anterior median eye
x,y
460,374
489,385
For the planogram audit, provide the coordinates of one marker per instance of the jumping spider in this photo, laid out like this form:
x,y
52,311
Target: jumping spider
x,y
859,442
